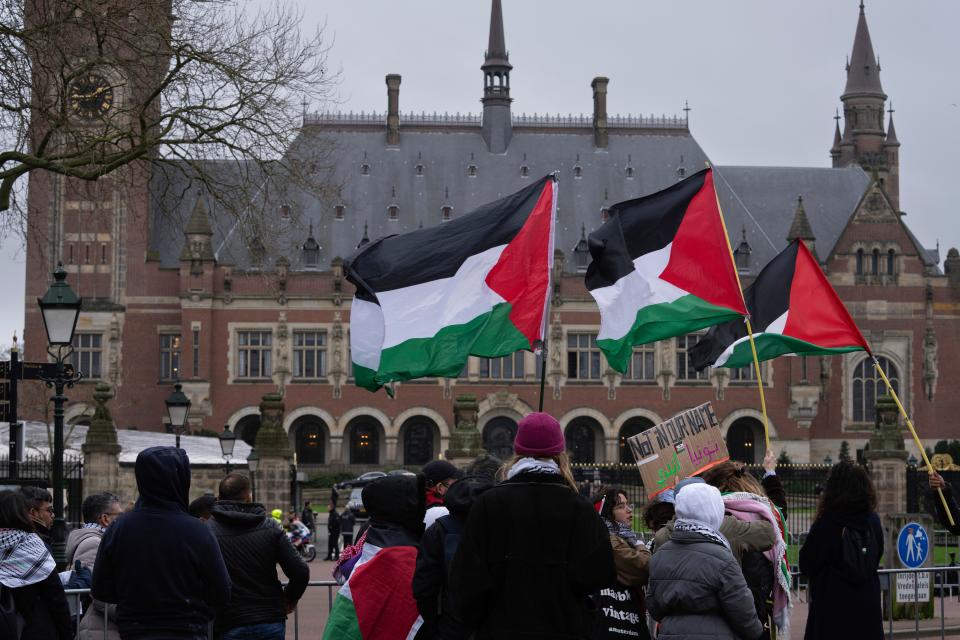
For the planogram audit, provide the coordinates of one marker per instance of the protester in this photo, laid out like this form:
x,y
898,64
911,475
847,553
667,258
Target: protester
x,y
533,549
440,474
766,572
252,548
621,602
485,465
40,507
439,544
378,597
841,556
99,511
307,518
202,507
333,533
347,520
659,512
933,498
28,574
696,587
160,565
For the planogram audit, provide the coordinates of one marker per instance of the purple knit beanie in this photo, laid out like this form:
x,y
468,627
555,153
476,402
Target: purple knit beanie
x,y
539,436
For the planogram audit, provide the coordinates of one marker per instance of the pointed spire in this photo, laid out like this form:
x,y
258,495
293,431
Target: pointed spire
x,y
365,239
863,68
800,227
497,45
199,223
891,140
835,149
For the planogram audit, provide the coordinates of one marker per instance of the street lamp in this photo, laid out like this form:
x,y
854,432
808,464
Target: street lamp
x,y
253,462
828,461
227,441
60,308
178,406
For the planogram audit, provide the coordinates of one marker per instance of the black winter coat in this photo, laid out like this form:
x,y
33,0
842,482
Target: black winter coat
x,y
531,554
840,609
757,570
253,545
933,498
43,606
160,565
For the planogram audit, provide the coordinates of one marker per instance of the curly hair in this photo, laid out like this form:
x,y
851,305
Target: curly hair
x,y
732,476
848,490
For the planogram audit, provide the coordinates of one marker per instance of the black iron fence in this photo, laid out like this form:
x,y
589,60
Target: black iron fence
x,y
37,470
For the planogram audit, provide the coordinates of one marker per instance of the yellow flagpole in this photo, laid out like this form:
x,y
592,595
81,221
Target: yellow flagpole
x,y
753,346
913,432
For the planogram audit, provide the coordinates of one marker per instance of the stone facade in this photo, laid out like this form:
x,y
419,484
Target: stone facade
x,y
181,297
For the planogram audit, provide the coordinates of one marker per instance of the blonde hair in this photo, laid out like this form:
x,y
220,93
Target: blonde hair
x,y
562,460
731,476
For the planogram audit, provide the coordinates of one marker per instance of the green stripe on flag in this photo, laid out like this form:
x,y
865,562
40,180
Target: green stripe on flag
x,y
342,623
771,345
661,321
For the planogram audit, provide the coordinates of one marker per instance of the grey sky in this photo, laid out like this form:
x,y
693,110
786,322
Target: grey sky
x,y
762,77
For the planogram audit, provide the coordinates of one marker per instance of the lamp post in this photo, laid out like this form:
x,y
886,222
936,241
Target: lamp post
x,y
253,462
227,441
828,461
60,308
178,406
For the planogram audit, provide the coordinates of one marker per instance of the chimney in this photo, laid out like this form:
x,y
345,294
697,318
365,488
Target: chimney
x,y
393,109
599,85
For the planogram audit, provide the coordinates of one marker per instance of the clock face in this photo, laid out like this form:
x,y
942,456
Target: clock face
x,y
90,96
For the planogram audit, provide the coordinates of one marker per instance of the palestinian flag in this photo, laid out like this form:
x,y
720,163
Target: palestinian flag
x,y
793,310
478,285
662,267
376,602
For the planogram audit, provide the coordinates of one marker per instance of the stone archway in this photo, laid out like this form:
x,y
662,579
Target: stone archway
x,y
498,435
745,440
310,435
581,435
631,427
418,436
364,437
247,428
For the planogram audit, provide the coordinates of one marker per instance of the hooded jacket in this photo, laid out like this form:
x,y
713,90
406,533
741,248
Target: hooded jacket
x,y
160,565
82,545
252,546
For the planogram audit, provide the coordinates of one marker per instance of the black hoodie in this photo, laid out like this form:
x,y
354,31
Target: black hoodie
x,y
160,565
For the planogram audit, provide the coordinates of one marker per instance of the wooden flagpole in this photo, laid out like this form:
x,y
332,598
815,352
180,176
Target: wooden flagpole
x,y
753,346
913,432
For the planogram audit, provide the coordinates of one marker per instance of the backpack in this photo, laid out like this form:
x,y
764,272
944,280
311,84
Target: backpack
x,y
11,622
859,554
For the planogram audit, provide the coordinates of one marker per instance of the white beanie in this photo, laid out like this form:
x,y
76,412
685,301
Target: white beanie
x,y
701,503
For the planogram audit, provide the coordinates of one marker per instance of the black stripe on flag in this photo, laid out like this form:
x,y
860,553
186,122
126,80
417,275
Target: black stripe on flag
x,y
767,299
437,252
637,227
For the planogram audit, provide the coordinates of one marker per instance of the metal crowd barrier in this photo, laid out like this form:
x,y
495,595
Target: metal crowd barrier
x,y
74,597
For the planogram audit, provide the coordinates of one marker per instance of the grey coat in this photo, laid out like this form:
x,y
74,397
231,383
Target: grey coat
x,y
697,591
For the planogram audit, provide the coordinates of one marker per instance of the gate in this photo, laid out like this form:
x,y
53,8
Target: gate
x,y
37,470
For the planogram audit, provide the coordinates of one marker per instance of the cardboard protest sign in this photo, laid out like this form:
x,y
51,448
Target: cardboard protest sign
x,y
685,445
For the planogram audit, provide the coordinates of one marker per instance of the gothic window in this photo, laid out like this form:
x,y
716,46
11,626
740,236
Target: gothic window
x,y
393,213
254,354
505,368
169,356
583,356
310,440
867,385
685,370
640,366
581,440
891,259
631,427
446,214
875,262
309,355
859,262
87,355
364,442
417,441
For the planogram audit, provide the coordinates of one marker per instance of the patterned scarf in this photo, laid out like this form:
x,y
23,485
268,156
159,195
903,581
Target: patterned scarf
x,y
533,465
24,560
94,525
749,507
623,531
695,526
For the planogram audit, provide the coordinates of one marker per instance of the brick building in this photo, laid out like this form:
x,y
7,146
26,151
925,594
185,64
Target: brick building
x,y
235,314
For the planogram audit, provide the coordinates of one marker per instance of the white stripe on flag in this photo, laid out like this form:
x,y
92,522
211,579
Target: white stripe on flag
x,y
774,327
366,333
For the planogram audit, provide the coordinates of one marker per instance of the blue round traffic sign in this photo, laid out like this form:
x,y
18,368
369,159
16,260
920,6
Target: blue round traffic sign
x,y
913,545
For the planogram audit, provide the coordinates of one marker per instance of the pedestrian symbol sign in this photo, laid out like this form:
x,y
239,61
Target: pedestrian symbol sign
x,y
913,545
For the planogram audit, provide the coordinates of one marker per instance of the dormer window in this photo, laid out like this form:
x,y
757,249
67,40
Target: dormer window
x,y
472,170
310,251
418,169
364,169
741,255
581,252
446,214
393,213
577,171
604,214
524,171
285,211
629,172
338,212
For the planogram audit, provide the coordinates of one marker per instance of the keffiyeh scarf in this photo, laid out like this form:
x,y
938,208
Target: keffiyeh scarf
x,y
533,465
701,528
749,507
623,531
24,560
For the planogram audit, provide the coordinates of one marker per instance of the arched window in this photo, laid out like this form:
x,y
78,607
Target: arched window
x,y
581,440
867,385
418,441
364,441
631,427
859,262
742,441
498,435
875,262
891,257
310,433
